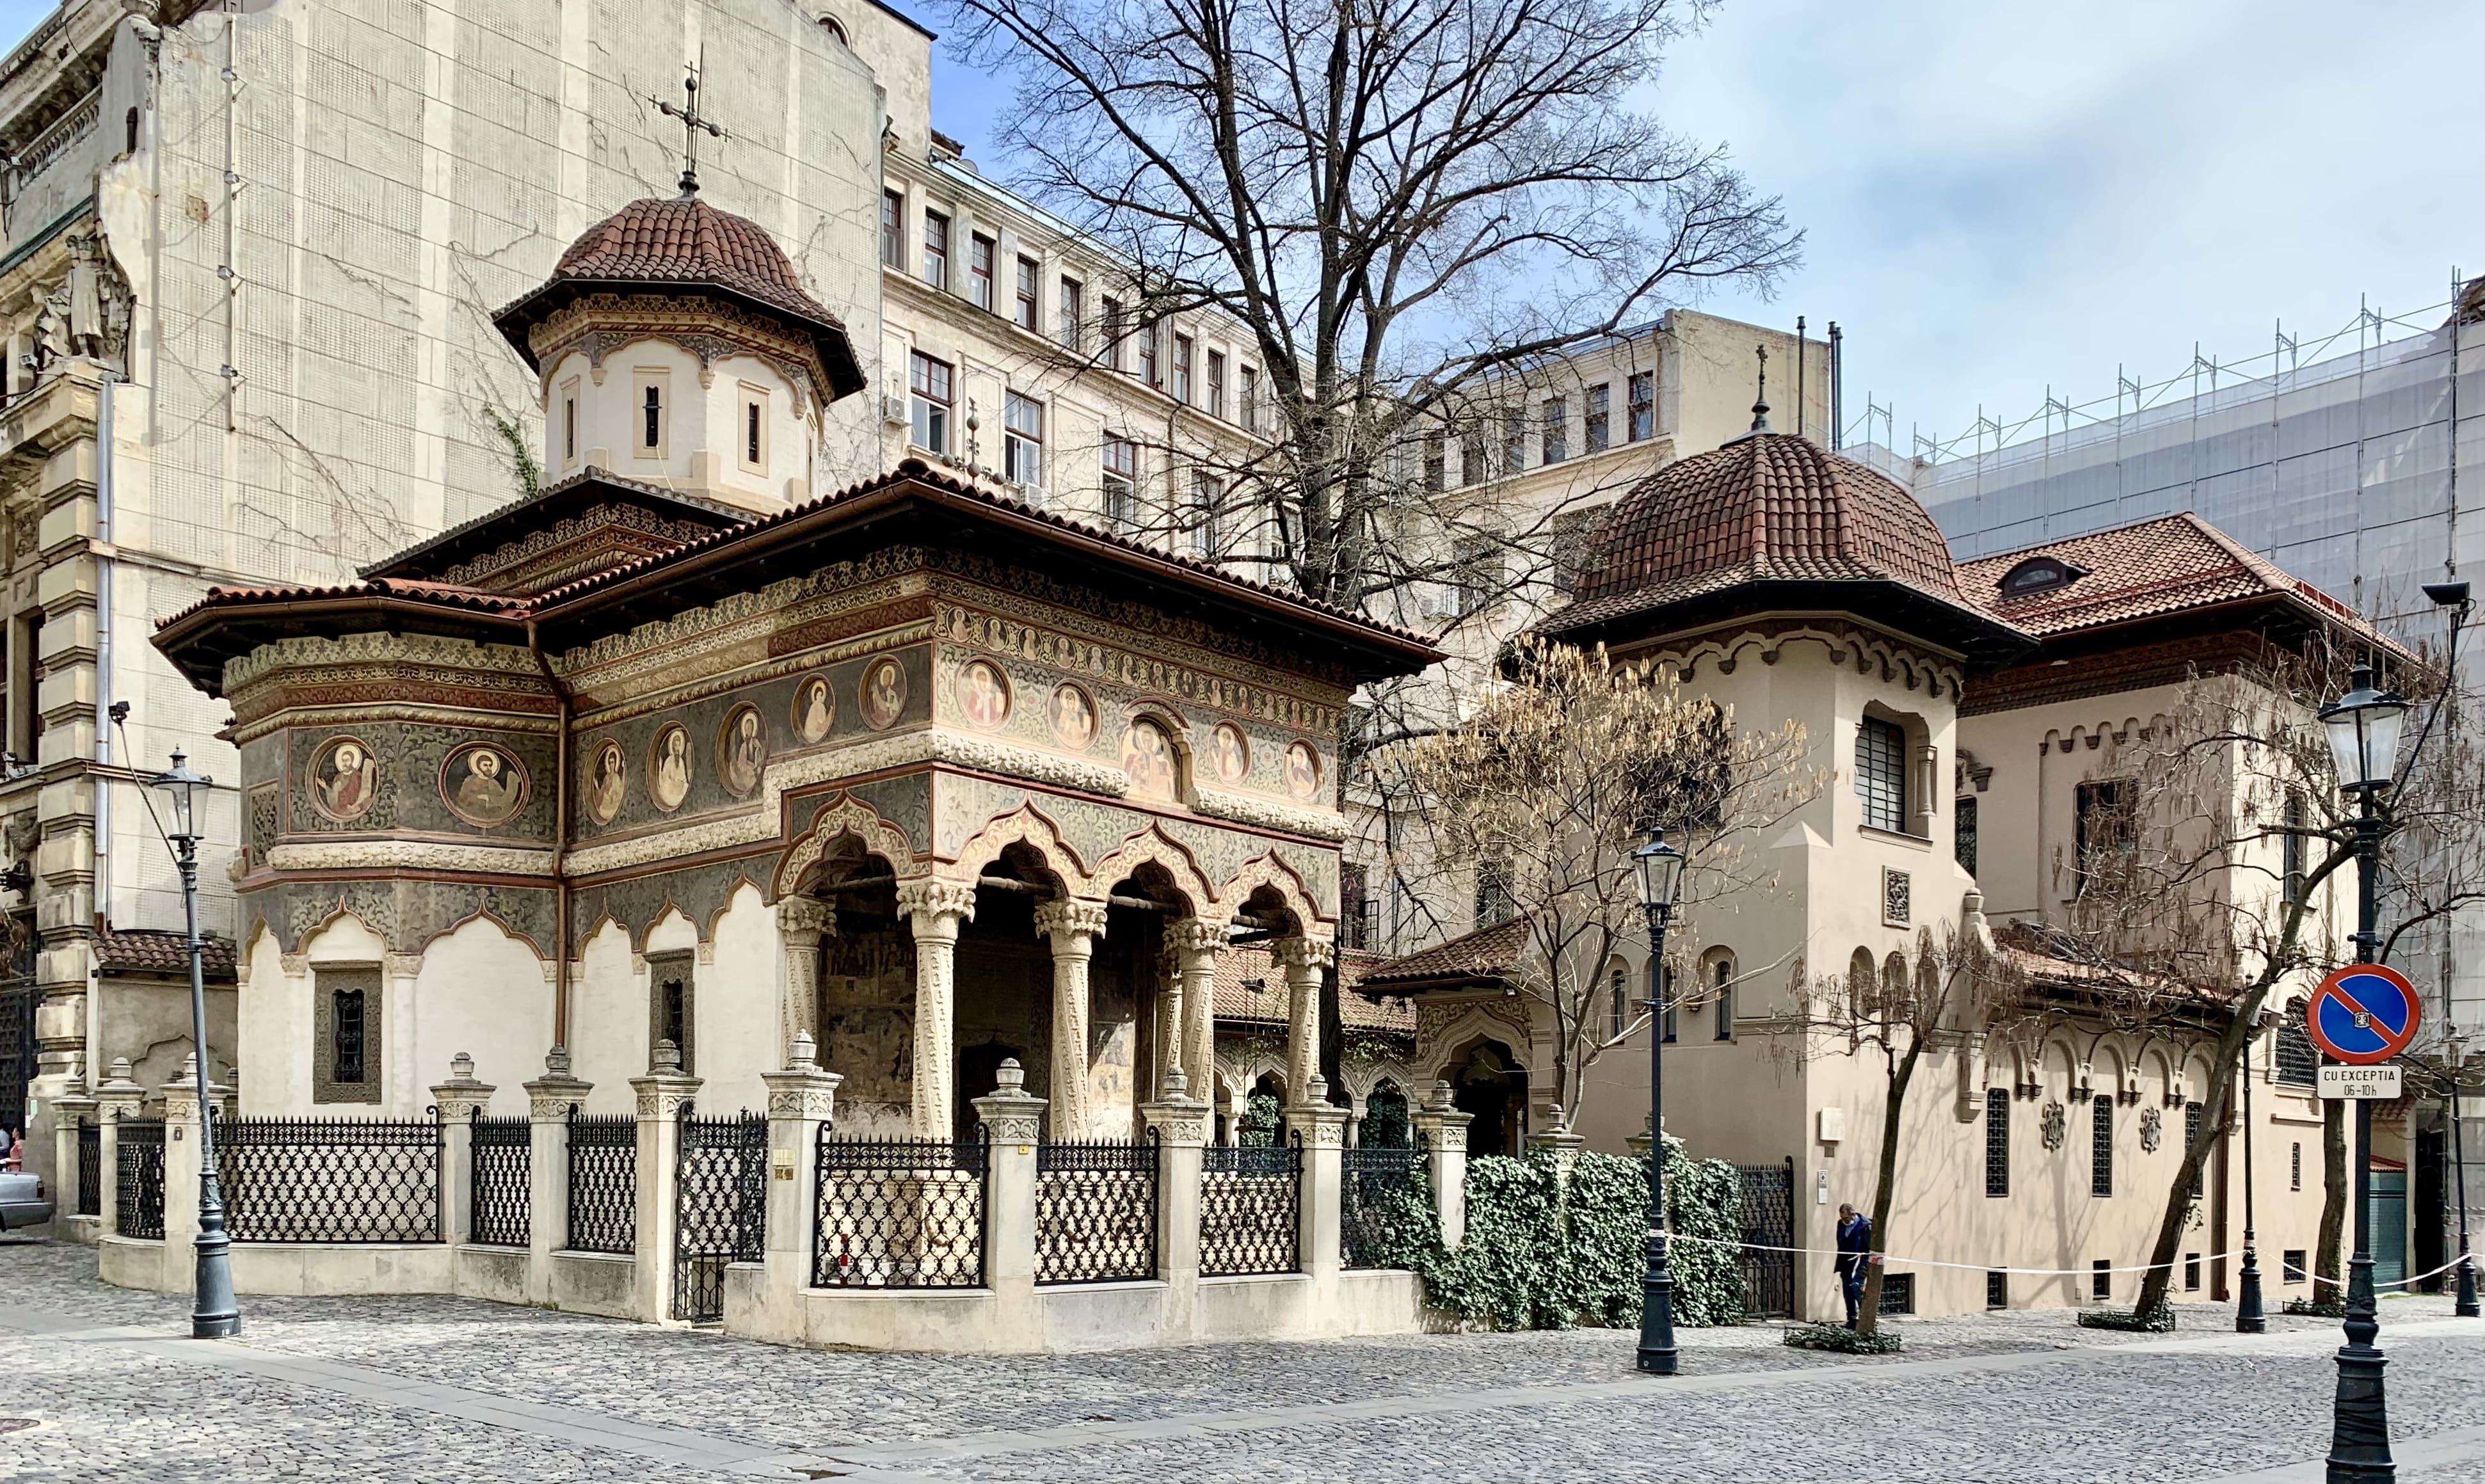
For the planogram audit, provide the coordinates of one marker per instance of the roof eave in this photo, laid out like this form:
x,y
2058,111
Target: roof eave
x,y
1985,642
829,339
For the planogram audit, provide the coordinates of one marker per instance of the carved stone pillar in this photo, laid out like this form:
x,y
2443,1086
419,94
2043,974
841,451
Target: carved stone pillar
x,y
1073,926
1196,943
1303,959
1167,1030
934,908
802,920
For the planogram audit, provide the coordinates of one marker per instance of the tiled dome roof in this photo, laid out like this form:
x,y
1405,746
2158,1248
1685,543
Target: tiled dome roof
x,y
680,240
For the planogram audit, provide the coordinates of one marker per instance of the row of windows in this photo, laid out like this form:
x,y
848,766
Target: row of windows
x,y
653,439
1996,1144
1717,1005
1552,429
1193,375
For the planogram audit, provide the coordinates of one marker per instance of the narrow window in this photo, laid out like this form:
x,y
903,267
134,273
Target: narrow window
x,y
2290,850
1217,383
2191,1136
1476,568
2291,1265
1030,281
2192,1272
1514,439
1474,458
1556,431
651,430
751,432
1022,445
979,270
1182,354
569,428
2295,1167
936,249
1643,406
1599,429
2101,825
1250,388
1725,1005
1997,1288
1074,315
1962,819
1492,903
1149,371
1658,990
1121,483
345,1029
345,1054
1208,500
129,131
1621,1012
929,407
1881,774
2101,1147
1436,463
1354,905
2101,1279
1997,1141
892,230
754,429
672,1006
1114,330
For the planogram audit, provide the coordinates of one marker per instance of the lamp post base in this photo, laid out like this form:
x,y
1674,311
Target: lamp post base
x,y
2248,1318
2465,1308
216,1313
1657,1355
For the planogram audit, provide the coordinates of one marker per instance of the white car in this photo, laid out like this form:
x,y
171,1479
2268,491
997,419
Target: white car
x,y
22,1202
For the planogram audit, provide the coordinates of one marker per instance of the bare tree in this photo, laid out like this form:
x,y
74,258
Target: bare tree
x,y
1547,790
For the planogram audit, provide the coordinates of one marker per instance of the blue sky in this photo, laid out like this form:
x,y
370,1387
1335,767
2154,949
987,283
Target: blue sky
x,y
2004,197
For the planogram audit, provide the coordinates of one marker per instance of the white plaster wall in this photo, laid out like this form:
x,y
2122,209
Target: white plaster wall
x,y
608,1019
484,993
273,1021
703,432
739,1016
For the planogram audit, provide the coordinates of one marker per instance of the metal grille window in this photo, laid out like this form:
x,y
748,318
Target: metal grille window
x,y
1997,1289
1248,1200
603,1184
1376,1185
2101,1279
1962,815
139,1210
898,1213
1643,406
2191,1136
1599,427
928,409
1023,444
1881,774
720,1208
330,1179
1096,1211
1769,1230
2297,1064
502,1156
2291,1265
345,1022
89,1169
2192,1272
1898,1293
2295,1167
2101,1147
1997,1141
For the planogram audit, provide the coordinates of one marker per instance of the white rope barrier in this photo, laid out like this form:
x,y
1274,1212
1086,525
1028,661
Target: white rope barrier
x,y
1886,1259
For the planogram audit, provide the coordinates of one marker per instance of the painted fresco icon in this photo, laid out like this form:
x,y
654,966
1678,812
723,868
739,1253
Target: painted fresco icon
x,y
344,781
815,710
1148,759
668,777
607,782
482,783
741,751
1233,753
1302,770
883,692
1073,718
983,696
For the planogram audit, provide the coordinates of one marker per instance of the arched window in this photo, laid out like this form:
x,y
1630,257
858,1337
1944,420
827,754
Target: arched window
x,y
1721,979
836,27
1881,774
1618,983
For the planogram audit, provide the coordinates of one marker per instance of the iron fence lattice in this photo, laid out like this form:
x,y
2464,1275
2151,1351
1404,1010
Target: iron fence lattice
x,y
899,1213
502,1160
1250,1200
330,1179
1096,1211
720,1208
1372,1192
1769,1221
603,1183
89,1169
139,1190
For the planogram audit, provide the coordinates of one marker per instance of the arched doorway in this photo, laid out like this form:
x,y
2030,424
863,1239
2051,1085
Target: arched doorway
x,y
1384,1118
1491,1086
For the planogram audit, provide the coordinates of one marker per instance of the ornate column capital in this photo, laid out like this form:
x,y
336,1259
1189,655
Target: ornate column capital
x,y
1303,955
802,1092
551,1096
662,1094
1322,1123
1196,935
119,1097
806,917
930,899
1067,918
1010,1115
461,1096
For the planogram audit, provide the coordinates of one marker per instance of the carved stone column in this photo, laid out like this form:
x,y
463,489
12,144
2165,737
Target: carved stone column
x,y
460,1099
1196,943
801,1099
1073,926
548,1101
1443,1130
1303,959
934,908
802,920
1167,1030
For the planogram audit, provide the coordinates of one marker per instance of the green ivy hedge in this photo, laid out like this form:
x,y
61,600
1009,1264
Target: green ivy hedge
x,y
1540,1257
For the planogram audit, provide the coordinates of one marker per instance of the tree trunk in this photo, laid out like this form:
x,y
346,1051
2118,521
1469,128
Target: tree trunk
x,y
2327,1288
2160,1277
1868,1309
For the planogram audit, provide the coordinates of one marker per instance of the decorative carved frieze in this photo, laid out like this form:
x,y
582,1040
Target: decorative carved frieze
x,y
1268,814
1150,672
410,855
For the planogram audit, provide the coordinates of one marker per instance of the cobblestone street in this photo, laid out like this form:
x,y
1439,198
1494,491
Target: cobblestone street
x,y
371,1388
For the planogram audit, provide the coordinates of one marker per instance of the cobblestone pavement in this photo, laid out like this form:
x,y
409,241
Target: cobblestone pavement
x,y
341,1389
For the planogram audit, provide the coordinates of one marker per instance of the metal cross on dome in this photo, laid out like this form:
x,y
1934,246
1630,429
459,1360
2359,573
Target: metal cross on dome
x,y
692,126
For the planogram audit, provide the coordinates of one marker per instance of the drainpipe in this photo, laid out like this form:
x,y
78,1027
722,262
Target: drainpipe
x,y
559,844
103,697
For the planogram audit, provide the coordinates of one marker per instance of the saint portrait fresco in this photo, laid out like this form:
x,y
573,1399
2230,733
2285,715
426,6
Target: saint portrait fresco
x,y
983,696
883,692
482,784
1148,759
815,710
741,751
1073,718
668,770
607,782
344,781
1233,753
1302,770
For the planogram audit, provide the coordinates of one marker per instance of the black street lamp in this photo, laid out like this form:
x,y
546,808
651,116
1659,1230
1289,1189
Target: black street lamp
x,y
2465,1306
2364,728
215,1315
2249,1318
1661,876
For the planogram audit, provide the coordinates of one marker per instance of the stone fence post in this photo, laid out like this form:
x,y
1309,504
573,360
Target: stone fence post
x,y
1013,1121
801,1100
68,1112
116,1099
1565,1146
1180,1125
458,1100
1323,1127
662,1094
1445,1142
549,1100
182,1116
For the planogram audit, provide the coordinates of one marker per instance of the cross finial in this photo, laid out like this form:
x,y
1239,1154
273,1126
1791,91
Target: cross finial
x,y
691,126
1761,407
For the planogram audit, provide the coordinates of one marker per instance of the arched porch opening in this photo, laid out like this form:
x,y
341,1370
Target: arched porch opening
x,y
861,994
1489,1084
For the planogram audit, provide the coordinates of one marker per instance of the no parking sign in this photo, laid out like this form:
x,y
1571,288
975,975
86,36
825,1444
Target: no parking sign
x,y
2363,1013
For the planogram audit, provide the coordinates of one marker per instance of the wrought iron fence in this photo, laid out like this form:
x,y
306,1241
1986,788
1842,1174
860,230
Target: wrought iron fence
x,y
502,1162
1096,1211
89,1169
1372,1198
330,1179
720,1208
899,1213
139,1193
1249,1203
603,1183
1769,1221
